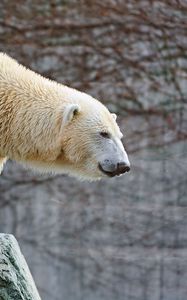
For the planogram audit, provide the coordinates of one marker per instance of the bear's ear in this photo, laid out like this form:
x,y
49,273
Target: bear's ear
x,y
69,112
114,116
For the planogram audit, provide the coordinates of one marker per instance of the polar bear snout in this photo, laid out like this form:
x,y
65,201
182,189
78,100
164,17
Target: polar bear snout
x,y
114,160
111,169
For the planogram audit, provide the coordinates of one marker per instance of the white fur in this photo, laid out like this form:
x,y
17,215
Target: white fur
x,y
37,124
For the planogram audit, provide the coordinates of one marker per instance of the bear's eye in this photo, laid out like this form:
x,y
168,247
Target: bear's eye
x,y
105,134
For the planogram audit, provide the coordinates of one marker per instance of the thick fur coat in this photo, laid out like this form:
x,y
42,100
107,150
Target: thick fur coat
x,y
49,126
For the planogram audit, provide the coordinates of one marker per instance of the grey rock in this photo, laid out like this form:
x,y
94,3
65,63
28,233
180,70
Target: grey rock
x,y
16,282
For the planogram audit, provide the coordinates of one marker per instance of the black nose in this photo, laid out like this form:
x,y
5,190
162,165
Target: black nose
x,y
122,168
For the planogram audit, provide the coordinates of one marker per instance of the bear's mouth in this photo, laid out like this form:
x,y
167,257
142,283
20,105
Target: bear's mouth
x,y
119,170
110,174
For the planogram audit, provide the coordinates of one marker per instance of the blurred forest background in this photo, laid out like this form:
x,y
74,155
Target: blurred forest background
x,y
123,238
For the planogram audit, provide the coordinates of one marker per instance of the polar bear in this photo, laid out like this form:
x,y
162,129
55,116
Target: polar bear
x,y
54,128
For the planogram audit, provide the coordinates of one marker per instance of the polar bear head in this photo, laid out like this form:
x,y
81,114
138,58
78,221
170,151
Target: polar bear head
x,y
91,144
